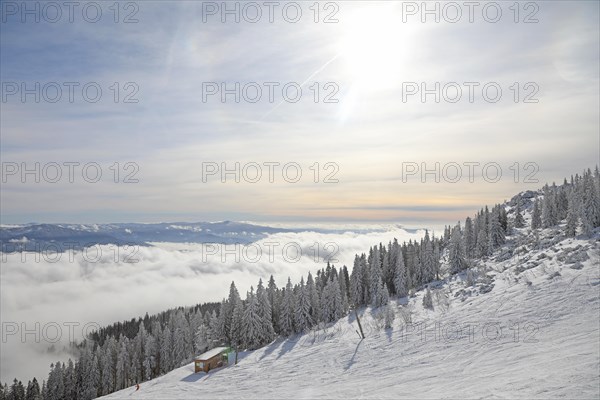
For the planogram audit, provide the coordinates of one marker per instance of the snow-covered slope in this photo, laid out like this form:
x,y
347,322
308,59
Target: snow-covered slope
x,y
523,327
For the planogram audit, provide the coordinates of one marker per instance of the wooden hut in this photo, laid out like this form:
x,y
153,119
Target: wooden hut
x,y
215,358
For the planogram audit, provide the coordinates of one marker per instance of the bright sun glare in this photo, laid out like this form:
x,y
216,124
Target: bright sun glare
x,y
375,46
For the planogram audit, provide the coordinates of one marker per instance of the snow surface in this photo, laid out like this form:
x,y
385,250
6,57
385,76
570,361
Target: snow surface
x,y
211,353
554,353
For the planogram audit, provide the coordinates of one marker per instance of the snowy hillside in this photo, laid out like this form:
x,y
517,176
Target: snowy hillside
x,y
505,305
519,326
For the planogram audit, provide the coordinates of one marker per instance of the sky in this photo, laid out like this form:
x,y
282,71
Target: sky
x,y
154,145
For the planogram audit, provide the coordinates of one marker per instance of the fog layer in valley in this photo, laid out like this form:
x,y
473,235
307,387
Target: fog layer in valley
x,y
70,293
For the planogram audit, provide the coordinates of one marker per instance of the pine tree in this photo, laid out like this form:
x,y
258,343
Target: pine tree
x,y
503,218
365,279
400,275
356,282
394,251
135,368
196,319
273,295
549,218
326,303
56,385
469,239
496,237
385,295
417,272
482,243
436,258
150,361
456,258
331,301
216,327
428,259
572,217
375,279
388,312
107,373
447,234
286,318
139,347
387,269
590,209
389,316
223,320
379,299
93,378
227,311
267,331
166,352
519,220
410,266
337,310
70,379
562,202
536,216
314,299
343,291
251,323
427,300
344,273
123,364
236,334
17,391
303,319
182,340
202,339
33,390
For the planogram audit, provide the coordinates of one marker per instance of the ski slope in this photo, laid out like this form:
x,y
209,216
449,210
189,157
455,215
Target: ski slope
x,y
535,334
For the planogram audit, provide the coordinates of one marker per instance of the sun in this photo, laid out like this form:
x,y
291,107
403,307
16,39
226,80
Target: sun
x,y
374,46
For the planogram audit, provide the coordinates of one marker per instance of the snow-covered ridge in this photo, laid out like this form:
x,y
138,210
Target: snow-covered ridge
x,y
523,327
509,251
517,313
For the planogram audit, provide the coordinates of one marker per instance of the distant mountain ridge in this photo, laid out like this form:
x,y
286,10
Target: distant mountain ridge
x,y
36,237
61,237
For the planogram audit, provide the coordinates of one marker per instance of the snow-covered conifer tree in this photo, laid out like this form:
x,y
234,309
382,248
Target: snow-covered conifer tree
x,y
427,299
456,257
536,215
496,235
400,275
265,313
236,333
572,217
252,324
519,220
375,278
314,299
356,283
286,318
303,319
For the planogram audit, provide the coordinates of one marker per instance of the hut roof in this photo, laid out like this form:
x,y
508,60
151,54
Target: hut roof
x,y
212,353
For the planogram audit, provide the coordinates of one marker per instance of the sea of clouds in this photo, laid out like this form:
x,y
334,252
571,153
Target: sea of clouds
x,y
50,299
